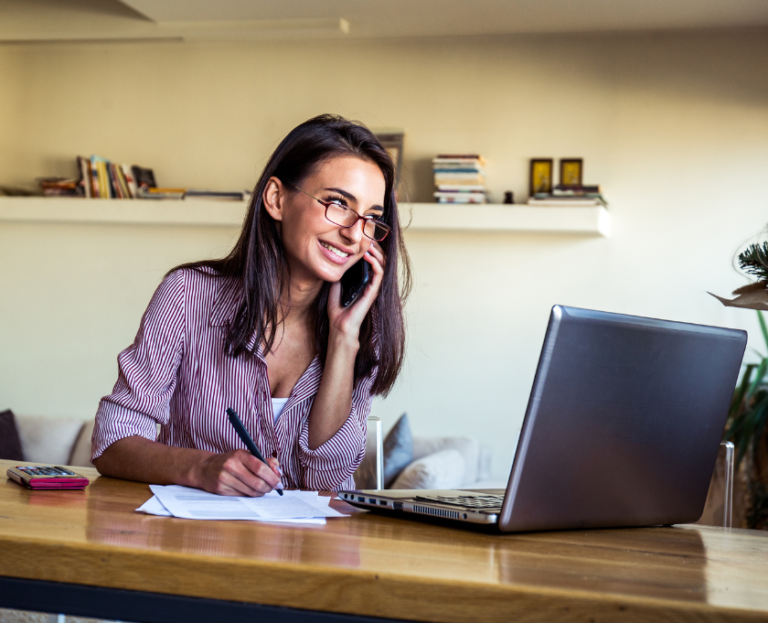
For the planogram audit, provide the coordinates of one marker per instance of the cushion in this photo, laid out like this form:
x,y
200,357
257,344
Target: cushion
x,y
81,453
10,444
442,470
468,448
365,475
46,439
398,449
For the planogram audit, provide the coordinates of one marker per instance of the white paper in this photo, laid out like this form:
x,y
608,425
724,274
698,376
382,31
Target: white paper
x,y
187,503
153,506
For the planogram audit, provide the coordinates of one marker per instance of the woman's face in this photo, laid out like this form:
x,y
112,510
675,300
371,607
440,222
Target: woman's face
x,y
314,247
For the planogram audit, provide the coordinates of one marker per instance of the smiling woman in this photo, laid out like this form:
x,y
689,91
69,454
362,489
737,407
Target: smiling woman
x,y
266,324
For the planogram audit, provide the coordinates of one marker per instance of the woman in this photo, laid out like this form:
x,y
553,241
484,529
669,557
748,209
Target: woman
x,y
262,331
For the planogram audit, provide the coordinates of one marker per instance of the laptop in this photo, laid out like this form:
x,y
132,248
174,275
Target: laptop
x,y
623,426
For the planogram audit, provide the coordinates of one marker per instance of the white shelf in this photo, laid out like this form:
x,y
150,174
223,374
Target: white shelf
x,y
129,212
586,221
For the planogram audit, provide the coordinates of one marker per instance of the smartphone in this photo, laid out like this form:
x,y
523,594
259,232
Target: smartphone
x,y
47,477
353,282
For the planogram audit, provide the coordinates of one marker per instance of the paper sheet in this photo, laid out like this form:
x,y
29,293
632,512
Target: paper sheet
x,y
293,507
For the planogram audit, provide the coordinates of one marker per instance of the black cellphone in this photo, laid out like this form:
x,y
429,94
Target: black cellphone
x,y
353,282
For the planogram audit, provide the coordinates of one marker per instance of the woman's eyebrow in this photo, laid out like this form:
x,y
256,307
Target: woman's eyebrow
x,y
351,197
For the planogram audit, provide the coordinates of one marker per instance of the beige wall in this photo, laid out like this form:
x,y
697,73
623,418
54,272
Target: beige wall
x,y
674,126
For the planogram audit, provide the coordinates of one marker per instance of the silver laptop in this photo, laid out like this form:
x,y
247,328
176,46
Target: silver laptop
x,y
622,428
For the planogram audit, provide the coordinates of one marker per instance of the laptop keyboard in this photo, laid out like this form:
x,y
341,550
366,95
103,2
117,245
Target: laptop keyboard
x,y
466,501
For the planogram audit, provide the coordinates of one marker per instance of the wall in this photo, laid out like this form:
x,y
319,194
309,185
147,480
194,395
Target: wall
x,y
674,126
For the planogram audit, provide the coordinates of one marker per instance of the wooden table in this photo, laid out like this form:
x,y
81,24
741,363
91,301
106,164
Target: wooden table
x,y
117,563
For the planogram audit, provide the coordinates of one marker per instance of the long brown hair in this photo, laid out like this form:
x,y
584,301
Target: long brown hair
x,y
257,262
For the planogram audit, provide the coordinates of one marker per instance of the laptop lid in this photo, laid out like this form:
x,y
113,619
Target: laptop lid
x,y
622,428
623,422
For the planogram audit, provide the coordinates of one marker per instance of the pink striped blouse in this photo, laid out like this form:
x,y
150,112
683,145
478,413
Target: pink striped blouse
x,y
176,373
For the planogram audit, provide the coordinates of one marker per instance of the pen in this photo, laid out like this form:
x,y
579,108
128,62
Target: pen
x,y
252,447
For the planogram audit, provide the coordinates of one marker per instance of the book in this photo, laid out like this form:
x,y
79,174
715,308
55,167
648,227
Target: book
x,y
564,203
575,189
144,178
459,181
459,159
95,191
83,165
461,188
462,169
129,180
105,188
460,197
225,195
60,187
122,184
161,193
459,175
114,182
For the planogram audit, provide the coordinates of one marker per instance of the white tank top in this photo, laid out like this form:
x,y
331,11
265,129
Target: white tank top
x,y
278,404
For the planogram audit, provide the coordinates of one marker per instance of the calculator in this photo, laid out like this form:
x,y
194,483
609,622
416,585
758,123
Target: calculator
x,y
47,477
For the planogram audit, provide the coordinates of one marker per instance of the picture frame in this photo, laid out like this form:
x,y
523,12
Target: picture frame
x,y
392,141
571,171
541,176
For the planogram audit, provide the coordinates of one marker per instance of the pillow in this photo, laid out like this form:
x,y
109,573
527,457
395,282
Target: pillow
x,y
468,448
81,453
442,470
398,450
46,439
10,444
365,474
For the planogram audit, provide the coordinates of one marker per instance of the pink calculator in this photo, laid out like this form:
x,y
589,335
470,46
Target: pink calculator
x,y
47,477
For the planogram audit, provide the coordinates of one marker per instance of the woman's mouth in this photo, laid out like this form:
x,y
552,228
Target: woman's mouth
x,y
334,253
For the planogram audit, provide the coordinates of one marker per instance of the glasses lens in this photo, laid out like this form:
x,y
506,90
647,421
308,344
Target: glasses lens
x,y
375,230
339,215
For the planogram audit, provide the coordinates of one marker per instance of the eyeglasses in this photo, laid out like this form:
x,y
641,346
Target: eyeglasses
x,y
345,217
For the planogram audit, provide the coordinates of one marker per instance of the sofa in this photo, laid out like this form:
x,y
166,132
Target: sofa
x,y
53,440
435,462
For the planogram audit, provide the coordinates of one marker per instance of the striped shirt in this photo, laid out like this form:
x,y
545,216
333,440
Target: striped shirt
x,y
176,373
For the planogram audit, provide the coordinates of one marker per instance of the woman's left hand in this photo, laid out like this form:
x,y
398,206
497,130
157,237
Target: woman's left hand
x,y
346,321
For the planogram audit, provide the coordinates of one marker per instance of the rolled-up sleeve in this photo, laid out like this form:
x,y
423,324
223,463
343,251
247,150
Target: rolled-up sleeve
x,y
330,466
147,371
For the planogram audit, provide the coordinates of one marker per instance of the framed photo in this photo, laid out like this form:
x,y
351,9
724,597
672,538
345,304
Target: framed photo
x,y
392,140
571,171
541,176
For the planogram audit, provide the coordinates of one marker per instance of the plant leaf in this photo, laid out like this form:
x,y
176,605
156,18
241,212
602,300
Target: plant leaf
x,y
763,327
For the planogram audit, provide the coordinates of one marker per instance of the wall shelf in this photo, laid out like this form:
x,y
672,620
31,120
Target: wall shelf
x,y
588,221
585,221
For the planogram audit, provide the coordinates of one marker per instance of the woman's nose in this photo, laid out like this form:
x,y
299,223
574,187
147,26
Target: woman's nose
x,y
354,232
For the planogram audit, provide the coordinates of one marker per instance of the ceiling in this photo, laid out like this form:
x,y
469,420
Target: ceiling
x,y
45,20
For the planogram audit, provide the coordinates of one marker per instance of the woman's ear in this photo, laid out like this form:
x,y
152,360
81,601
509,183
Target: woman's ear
x,y
274,192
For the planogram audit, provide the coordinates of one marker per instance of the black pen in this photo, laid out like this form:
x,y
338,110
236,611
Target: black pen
x,y
252,447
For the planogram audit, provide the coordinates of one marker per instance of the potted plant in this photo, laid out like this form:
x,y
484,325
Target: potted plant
x,y
748,414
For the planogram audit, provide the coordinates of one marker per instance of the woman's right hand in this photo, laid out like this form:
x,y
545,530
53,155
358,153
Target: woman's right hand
x,y
238,473
234,473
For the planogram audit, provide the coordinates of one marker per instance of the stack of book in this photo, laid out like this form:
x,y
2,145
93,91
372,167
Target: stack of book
x,y
60,187
102,179
459,178
569,196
